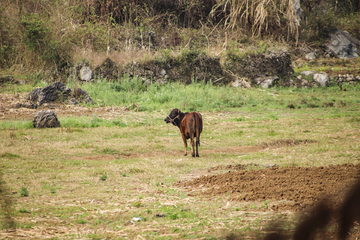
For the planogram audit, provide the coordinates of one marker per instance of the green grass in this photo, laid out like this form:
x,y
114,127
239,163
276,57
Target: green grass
x,y
206,97
20,124
98,174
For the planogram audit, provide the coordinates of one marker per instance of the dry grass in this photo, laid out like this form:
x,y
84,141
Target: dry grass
x,y
119,57
258,15
64,169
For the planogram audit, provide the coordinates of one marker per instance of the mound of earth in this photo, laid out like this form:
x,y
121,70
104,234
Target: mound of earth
x,y
292,187
185,68
253,66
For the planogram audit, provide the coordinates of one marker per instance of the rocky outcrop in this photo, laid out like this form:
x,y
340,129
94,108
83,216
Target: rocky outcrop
x,y
59,92
53,92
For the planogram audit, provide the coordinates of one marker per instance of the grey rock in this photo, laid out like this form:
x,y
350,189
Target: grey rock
x,y
160,81
162,72
55,91
34,95
308,73
59,92
73,101
241,82
266,82
85,74
310,56
81,95
45,119
322,78
343,45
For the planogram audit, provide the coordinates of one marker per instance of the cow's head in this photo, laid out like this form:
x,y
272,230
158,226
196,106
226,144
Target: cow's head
x,y
174,114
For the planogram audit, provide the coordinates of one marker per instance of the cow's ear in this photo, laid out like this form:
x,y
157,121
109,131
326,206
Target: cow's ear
x,y
171,109
178,111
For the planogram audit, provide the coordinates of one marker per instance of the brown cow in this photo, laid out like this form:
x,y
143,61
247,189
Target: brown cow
x,y
190,125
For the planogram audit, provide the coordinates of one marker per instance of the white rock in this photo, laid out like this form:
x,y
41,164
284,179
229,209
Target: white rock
x,y
322,78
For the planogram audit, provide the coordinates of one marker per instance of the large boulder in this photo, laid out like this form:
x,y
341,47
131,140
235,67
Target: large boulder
x,y
45,119
343,45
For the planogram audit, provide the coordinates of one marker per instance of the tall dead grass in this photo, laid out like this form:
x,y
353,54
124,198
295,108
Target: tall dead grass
x,y
259,16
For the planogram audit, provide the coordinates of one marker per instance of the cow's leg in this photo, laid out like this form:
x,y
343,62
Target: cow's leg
x,y
185,143
192,145
197,145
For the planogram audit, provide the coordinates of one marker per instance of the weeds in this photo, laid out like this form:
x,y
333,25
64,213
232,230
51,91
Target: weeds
x,y
24,192
9,155
103,177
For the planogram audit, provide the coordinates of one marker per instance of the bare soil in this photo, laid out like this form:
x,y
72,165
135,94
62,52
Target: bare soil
x,y
10,109
326,197
292,187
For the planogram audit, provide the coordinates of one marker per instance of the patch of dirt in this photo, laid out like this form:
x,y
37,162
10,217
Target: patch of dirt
x,y
12,107
295,188
231,167
180,153
285,142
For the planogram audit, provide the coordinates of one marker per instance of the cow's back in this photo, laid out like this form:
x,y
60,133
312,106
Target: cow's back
x,y
192,124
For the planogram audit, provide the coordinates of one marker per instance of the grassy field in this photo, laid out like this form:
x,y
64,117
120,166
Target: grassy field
x,y
97,178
